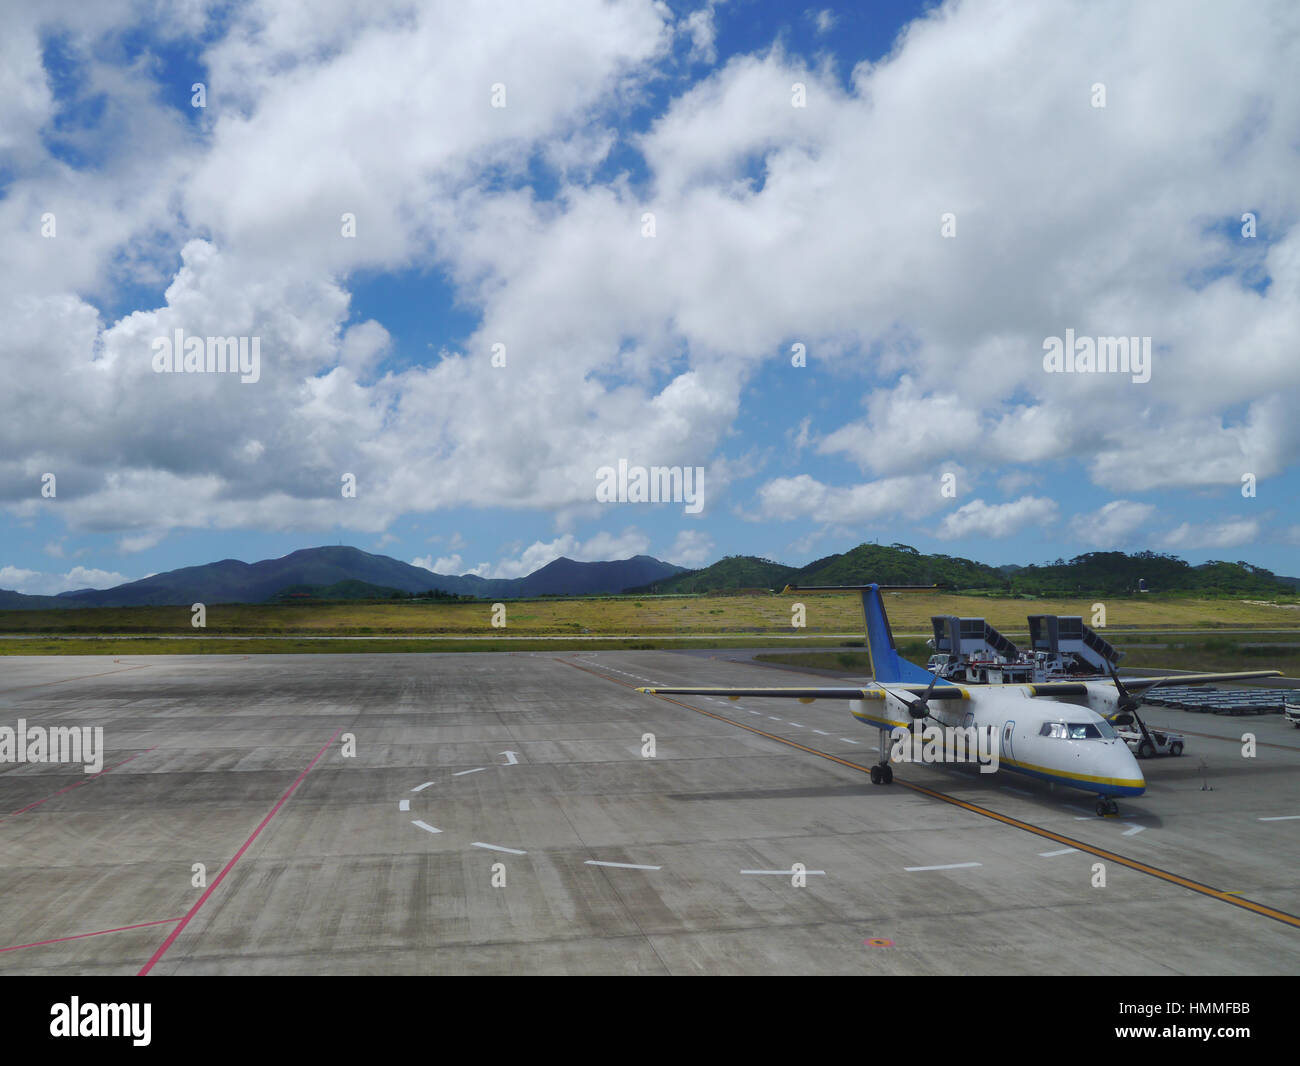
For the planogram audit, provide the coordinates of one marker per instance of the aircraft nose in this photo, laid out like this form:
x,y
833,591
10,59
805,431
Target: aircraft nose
x,y
1118,764
1132,771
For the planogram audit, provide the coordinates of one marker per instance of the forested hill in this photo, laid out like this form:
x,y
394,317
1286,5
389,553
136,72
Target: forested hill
x,y
1096,573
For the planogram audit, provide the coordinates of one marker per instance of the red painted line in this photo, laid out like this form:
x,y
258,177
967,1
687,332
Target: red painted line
x,y
85,781
162,949
98,932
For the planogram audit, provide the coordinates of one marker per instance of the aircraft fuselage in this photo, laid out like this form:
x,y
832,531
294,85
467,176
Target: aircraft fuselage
x,y
1065,741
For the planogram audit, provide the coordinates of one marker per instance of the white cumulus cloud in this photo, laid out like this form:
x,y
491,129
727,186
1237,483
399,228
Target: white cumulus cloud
x,y
1230,533
980,519
1111,526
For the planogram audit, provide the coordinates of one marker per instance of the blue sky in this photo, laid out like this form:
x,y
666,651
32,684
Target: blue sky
x,y
780,218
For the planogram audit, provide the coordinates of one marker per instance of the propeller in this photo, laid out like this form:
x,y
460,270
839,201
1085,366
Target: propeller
x,y
1127,705
919,708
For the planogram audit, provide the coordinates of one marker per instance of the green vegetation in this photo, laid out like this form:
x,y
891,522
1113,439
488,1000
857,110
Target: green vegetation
x,y
1094,574
732,572
900,564
853,662
1114,573
735,620
1217,653
661,616
343,591
840,661
119,648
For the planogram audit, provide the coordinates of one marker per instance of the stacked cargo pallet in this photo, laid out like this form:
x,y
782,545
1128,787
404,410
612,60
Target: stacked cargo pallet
x,y
1217,701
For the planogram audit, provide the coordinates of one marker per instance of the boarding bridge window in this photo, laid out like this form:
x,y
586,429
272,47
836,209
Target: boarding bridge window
x,y
1054,729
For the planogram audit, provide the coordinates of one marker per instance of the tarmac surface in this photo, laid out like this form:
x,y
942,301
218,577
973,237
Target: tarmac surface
x,y
751,842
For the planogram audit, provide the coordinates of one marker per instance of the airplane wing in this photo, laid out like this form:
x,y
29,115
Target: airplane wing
x,y
950,691
1137,684
1140,684
807,695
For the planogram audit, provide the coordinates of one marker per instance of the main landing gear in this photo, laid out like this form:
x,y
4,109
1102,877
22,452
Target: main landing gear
x,y
882,773
1105,806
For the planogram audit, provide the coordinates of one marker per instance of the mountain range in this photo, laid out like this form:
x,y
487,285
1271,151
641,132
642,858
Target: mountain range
x,y
349,573
313,569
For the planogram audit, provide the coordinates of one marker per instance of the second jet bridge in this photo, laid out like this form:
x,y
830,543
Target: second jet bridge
x,y
970,638
1059,635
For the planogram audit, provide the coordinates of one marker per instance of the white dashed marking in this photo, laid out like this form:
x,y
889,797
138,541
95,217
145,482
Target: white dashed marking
x,y
785,873
621,865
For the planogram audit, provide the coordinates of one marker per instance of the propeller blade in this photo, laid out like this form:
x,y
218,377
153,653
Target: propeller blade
x,y
920,707
1126,701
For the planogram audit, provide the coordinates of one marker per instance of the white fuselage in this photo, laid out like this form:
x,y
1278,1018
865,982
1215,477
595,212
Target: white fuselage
x,y
1064,740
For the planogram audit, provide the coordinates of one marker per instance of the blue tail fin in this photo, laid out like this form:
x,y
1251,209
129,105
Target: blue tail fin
x,y
886,663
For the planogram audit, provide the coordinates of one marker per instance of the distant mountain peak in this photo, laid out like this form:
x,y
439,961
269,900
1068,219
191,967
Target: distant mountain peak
x,y
345,566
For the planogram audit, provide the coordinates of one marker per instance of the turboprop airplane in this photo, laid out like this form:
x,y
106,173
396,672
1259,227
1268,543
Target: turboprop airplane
x,y
1057,731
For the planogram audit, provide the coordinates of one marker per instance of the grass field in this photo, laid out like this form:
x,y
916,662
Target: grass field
x,y
660,617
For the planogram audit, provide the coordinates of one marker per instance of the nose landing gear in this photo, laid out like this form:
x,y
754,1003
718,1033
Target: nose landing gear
x,y
1105,806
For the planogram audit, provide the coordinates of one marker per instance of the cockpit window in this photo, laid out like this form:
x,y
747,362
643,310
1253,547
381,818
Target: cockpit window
x,y
1076,730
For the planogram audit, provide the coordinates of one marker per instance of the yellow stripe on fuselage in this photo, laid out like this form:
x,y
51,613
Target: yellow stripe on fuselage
x,y
862,716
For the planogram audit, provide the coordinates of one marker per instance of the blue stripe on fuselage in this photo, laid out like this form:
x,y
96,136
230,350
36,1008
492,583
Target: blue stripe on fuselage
x,y
1095,787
